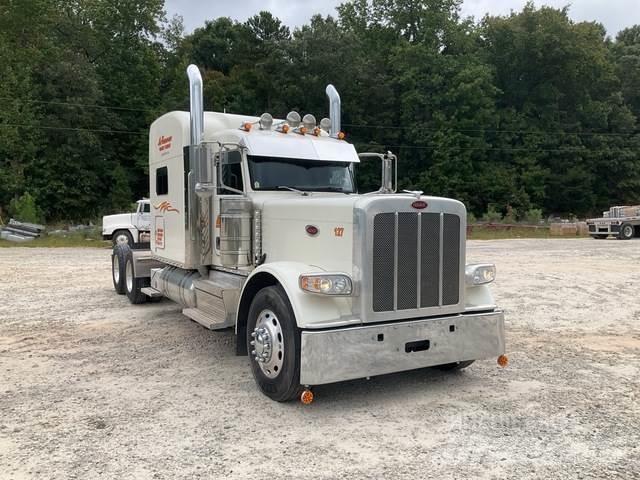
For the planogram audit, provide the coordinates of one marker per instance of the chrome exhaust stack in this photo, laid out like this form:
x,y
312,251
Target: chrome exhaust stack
x,y
201,166
334,110
196,104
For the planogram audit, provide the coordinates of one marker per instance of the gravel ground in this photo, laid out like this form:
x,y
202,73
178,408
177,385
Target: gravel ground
x,y
92,387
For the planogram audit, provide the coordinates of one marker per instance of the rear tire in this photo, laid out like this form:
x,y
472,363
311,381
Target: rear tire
x,y
626,231
277,340
133,285
452,367
118,260
122,237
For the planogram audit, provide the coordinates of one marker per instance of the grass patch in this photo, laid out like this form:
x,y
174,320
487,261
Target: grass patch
x,y
71,239
497,232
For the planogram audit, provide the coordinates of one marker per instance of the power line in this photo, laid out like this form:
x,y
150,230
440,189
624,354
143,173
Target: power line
x,y
97,130
83,105
495,149
485,130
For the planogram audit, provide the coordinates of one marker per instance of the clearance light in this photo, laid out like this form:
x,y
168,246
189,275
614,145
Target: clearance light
x,y
283,128
503,361
306,397
341,135
246,126
300,130
326,284
316,131
480,274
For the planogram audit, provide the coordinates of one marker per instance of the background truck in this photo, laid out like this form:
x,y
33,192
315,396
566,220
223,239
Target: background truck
x,y
256,225
129,228
622,222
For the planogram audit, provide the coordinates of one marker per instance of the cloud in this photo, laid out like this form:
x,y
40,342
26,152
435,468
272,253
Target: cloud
x,y
613,14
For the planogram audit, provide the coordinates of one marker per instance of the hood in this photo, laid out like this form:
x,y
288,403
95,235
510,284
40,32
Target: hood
x,y
285,236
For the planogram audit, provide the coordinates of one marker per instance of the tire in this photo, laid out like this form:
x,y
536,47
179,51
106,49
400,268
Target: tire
x,y
278,377
118,260
626,231
122,237
452,367
133,285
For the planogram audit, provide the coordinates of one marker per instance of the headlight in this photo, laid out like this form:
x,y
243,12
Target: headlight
x,y
326,284
480,274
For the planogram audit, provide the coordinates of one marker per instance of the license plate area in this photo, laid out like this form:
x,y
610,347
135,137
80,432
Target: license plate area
x,y
417,346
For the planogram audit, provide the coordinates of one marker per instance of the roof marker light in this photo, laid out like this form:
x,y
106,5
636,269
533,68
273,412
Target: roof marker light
x,y
341,135
246,126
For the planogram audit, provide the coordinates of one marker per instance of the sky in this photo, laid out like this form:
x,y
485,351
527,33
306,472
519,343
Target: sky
x,y
613,14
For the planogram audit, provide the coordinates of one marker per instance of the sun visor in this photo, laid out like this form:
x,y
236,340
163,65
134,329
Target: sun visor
x,y
305,147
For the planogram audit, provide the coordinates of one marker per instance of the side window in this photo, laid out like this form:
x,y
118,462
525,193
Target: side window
x,y
146,208
232,173
162,181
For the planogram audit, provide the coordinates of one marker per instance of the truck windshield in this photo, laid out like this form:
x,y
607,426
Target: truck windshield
x,y
273,173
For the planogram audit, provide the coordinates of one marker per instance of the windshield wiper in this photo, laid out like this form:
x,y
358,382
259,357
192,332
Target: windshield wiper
x,y
331,189
284,187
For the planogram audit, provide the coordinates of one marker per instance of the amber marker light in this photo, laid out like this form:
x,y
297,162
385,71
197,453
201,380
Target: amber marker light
x,y
306,397
302,130
503,361
246,126
218,222
341,135
316,131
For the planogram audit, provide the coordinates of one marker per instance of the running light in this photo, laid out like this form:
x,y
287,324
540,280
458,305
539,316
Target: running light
x,y
326,284
480,274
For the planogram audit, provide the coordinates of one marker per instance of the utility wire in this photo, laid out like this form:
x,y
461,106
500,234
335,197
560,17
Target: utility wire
x,y
355,125
98,130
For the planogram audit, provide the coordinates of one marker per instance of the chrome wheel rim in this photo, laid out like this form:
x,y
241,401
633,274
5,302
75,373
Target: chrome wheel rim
x,y
268,344
122,239
129,277
628,231
116,269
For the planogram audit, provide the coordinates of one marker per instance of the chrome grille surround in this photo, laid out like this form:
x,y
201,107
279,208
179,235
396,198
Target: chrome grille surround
x,y
408,263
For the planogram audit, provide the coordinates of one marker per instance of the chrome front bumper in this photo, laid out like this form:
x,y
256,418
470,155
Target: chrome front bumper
x,y
343,354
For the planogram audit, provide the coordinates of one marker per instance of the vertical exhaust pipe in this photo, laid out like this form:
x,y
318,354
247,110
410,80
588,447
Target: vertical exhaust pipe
x,y
334,110
200,194
196,104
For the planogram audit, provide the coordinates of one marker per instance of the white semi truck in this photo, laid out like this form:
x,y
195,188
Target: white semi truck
x,y
130,228
257,225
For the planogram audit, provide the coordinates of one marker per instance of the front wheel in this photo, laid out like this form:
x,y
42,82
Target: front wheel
x,y
626,232
273,343
122,237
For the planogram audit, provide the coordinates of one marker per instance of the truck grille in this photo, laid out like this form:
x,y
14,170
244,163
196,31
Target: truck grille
x,y
416,260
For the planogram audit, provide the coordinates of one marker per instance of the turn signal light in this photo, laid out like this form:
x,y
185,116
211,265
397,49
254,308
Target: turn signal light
x,y
284,128
326,284
503,361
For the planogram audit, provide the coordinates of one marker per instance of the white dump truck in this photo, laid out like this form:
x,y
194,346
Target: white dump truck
x,y
129,228
257,225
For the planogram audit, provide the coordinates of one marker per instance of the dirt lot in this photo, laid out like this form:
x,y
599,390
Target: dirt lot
x,y
92,387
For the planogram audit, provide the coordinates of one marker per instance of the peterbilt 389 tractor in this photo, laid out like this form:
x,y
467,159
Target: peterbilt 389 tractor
x,y
256,225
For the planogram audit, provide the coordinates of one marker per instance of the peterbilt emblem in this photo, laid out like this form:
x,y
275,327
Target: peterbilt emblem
x,y
419,204
312,230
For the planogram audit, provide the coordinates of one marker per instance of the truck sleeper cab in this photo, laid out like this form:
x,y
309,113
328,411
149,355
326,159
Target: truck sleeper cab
x,y
257,225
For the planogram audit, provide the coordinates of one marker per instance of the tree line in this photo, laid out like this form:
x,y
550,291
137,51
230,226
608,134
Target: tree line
x,y
519,113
